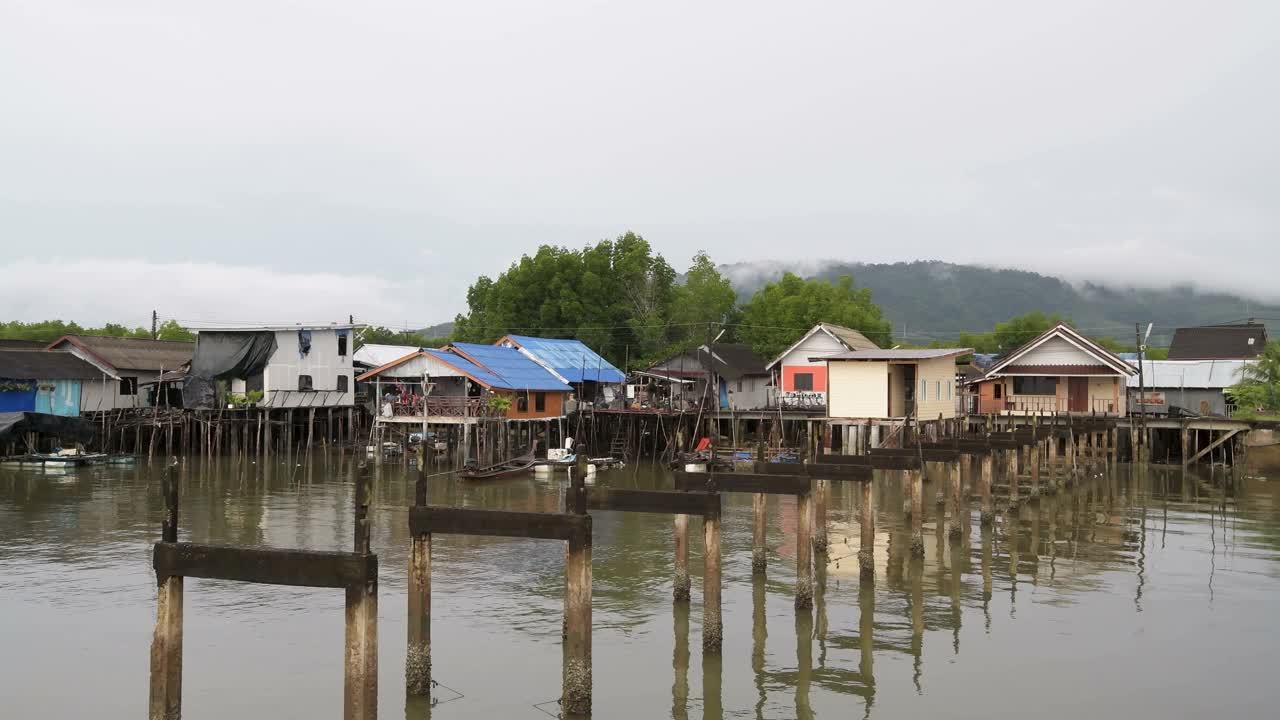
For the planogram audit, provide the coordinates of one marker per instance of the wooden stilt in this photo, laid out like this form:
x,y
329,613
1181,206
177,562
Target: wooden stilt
x,y
804,552
680,591
867,530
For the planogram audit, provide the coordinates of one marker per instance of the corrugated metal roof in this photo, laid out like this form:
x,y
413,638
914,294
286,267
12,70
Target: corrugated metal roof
x,y
570,359
851,338
1220,342
30,364
518,371
921,354
379,355
1188,373
132,353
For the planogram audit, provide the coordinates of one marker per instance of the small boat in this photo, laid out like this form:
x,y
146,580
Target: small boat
x,y
121,459
514,466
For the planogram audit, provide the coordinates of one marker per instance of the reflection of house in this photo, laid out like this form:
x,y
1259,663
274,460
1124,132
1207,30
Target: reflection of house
x,y
728,375
883,384
1181,387
44,381
287,366
592,377
464,382
1059,371
1243,341
125,365
800,373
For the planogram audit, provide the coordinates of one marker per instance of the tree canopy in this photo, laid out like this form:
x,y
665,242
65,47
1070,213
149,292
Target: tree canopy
x,y
378,335
617,296
1258,392
782,311
50,330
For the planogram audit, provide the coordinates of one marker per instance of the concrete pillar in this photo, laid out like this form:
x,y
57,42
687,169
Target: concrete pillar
x,y
166,653
804,552
820,490
917,512
712,627
759,552
577,651
417,663
984,486
360,681
681,590
867,531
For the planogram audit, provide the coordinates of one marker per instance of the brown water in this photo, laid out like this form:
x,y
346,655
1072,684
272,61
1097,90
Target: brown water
x,y
1135,595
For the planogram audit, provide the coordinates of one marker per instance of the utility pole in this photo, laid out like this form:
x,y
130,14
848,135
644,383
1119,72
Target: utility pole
x,y
155,332
1142,386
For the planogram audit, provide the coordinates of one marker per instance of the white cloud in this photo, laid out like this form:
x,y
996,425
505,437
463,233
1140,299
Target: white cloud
x,y
99,290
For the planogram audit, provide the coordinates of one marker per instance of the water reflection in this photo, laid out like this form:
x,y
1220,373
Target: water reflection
x,y
74,550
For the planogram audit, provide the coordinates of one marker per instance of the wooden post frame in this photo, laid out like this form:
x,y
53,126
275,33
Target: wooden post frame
x,y
572,528
680,504
356,572
769,484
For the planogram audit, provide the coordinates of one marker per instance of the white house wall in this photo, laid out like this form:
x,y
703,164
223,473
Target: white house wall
x,y
323,364
857,389
753,395
1056,351
104,392
820,344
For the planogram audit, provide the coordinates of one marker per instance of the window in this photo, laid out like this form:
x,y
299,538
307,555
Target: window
x,y
948,391
304,382
540,402
342,345
997,390
803,381
342,383
739,384
924,390
522,403
1035,386
937,389
128,386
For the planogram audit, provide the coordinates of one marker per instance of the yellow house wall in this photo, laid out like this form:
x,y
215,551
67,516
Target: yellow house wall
x,y
938,375
857,389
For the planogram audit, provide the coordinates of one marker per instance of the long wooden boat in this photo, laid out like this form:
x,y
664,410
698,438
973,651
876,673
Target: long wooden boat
x,y
514,466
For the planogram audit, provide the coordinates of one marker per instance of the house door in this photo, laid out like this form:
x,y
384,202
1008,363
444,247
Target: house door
x,y
1078,394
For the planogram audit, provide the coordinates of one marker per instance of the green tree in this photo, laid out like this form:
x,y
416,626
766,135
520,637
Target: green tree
x,y
781,312
378,335
705,300
1010,334
171,330
615,296
1258,392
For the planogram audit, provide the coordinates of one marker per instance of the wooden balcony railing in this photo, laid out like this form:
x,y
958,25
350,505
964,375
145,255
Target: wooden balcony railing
x,y
444,407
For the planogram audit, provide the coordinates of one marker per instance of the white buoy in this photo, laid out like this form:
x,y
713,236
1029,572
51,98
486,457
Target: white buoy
x,y
695,467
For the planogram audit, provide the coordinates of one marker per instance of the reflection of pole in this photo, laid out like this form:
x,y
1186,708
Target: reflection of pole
x,y
866,635
759,635
680,664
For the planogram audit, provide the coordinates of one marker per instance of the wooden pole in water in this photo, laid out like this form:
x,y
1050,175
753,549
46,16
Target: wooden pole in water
x,y
360,661
915,479
984,483
577,621
166,644
957,497
804,551
759,553
1038,454
1014,501
712,626
417,664
867,531
820,541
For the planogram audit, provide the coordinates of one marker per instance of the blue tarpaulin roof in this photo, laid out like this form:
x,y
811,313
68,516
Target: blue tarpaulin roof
x,y
519,372
570,359
475,371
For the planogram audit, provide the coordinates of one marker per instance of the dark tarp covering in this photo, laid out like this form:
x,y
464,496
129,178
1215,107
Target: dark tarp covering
x,y
75,429
222,355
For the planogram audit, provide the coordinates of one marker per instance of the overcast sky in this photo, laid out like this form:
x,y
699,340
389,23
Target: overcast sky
x,y
274,160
